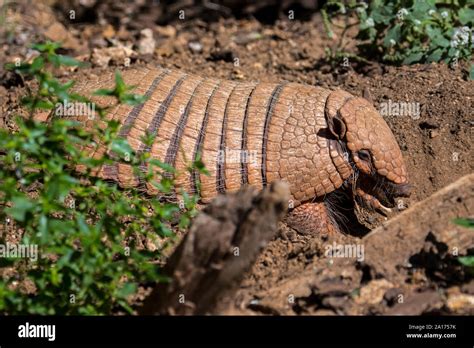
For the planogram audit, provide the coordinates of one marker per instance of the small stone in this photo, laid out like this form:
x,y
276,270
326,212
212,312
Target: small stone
x,y
108,32
103,56
245,38
165,49
123,34
434,134
21,39
392,295
373,292
336,302
460,303
98,42
468,288
58,32
167,31
224,55
146,44
324,312
195,46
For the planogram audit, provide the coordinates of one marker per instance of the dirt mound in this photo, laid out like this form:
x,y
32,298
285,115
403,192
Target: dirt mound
x,y
406,266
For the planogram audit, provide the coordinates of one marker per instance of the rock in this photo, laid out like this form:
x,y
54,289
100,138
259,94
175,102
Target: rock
x,y
225,55
417,304
392,296
330,286
108,32
336,303
468,288
21,39
147,43
460,303
123,34
258,66
245,38
58,32
324,312
87,3
195,46
167,31
99,42
165,49
373,293
103,56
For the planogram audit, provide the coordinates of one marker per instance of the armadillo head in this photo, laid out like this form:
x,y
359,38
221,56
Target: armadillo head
x,y
379,169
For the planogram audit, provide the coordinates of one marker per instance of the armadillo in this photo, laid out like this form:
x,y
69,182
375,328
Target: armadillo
x,y
254,133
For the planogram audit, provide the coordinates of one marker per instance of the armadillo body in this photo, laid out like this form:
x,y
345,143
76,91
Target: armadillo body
x,y
247,133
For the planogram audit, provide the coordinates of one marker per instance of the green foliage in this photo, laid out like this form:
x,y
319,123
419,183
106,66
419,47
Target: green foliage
x,y
464,222
467,261
410,31
88,231
120,92
50,90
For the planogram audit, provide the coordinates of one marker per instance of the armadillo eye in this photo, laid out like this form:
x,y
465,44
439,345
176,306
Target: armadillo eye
x,y
364,155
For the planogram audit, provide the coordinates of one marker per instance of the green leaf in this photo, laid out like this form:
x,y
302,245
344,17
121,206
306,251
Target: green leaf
x,y
47,47
120,85
126,290
464,222
420,9
394,34
83,226
37,64
6,262
126,306
413,58
435,56
466,16
69,61
165,166
44,105
23,68
58,60
121,147
132,99
440,41
383,14
21,206
471,72
104,92
466,260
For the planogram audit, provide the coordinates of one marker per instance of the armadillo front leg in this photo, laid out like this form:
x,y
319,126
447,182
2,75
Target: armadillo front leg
x,y
312,218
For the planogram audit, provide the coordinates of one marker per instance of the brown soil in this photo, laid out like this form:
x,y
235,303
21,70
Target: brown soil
x,y
437,145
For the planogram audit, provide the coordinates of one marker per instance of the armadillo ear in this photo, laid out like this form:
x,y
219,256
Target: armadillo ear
x,y
337,126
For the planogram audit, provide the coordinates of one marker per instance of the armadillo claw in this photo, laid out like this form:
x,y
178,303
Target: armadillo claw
x,y
312,218
372,203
